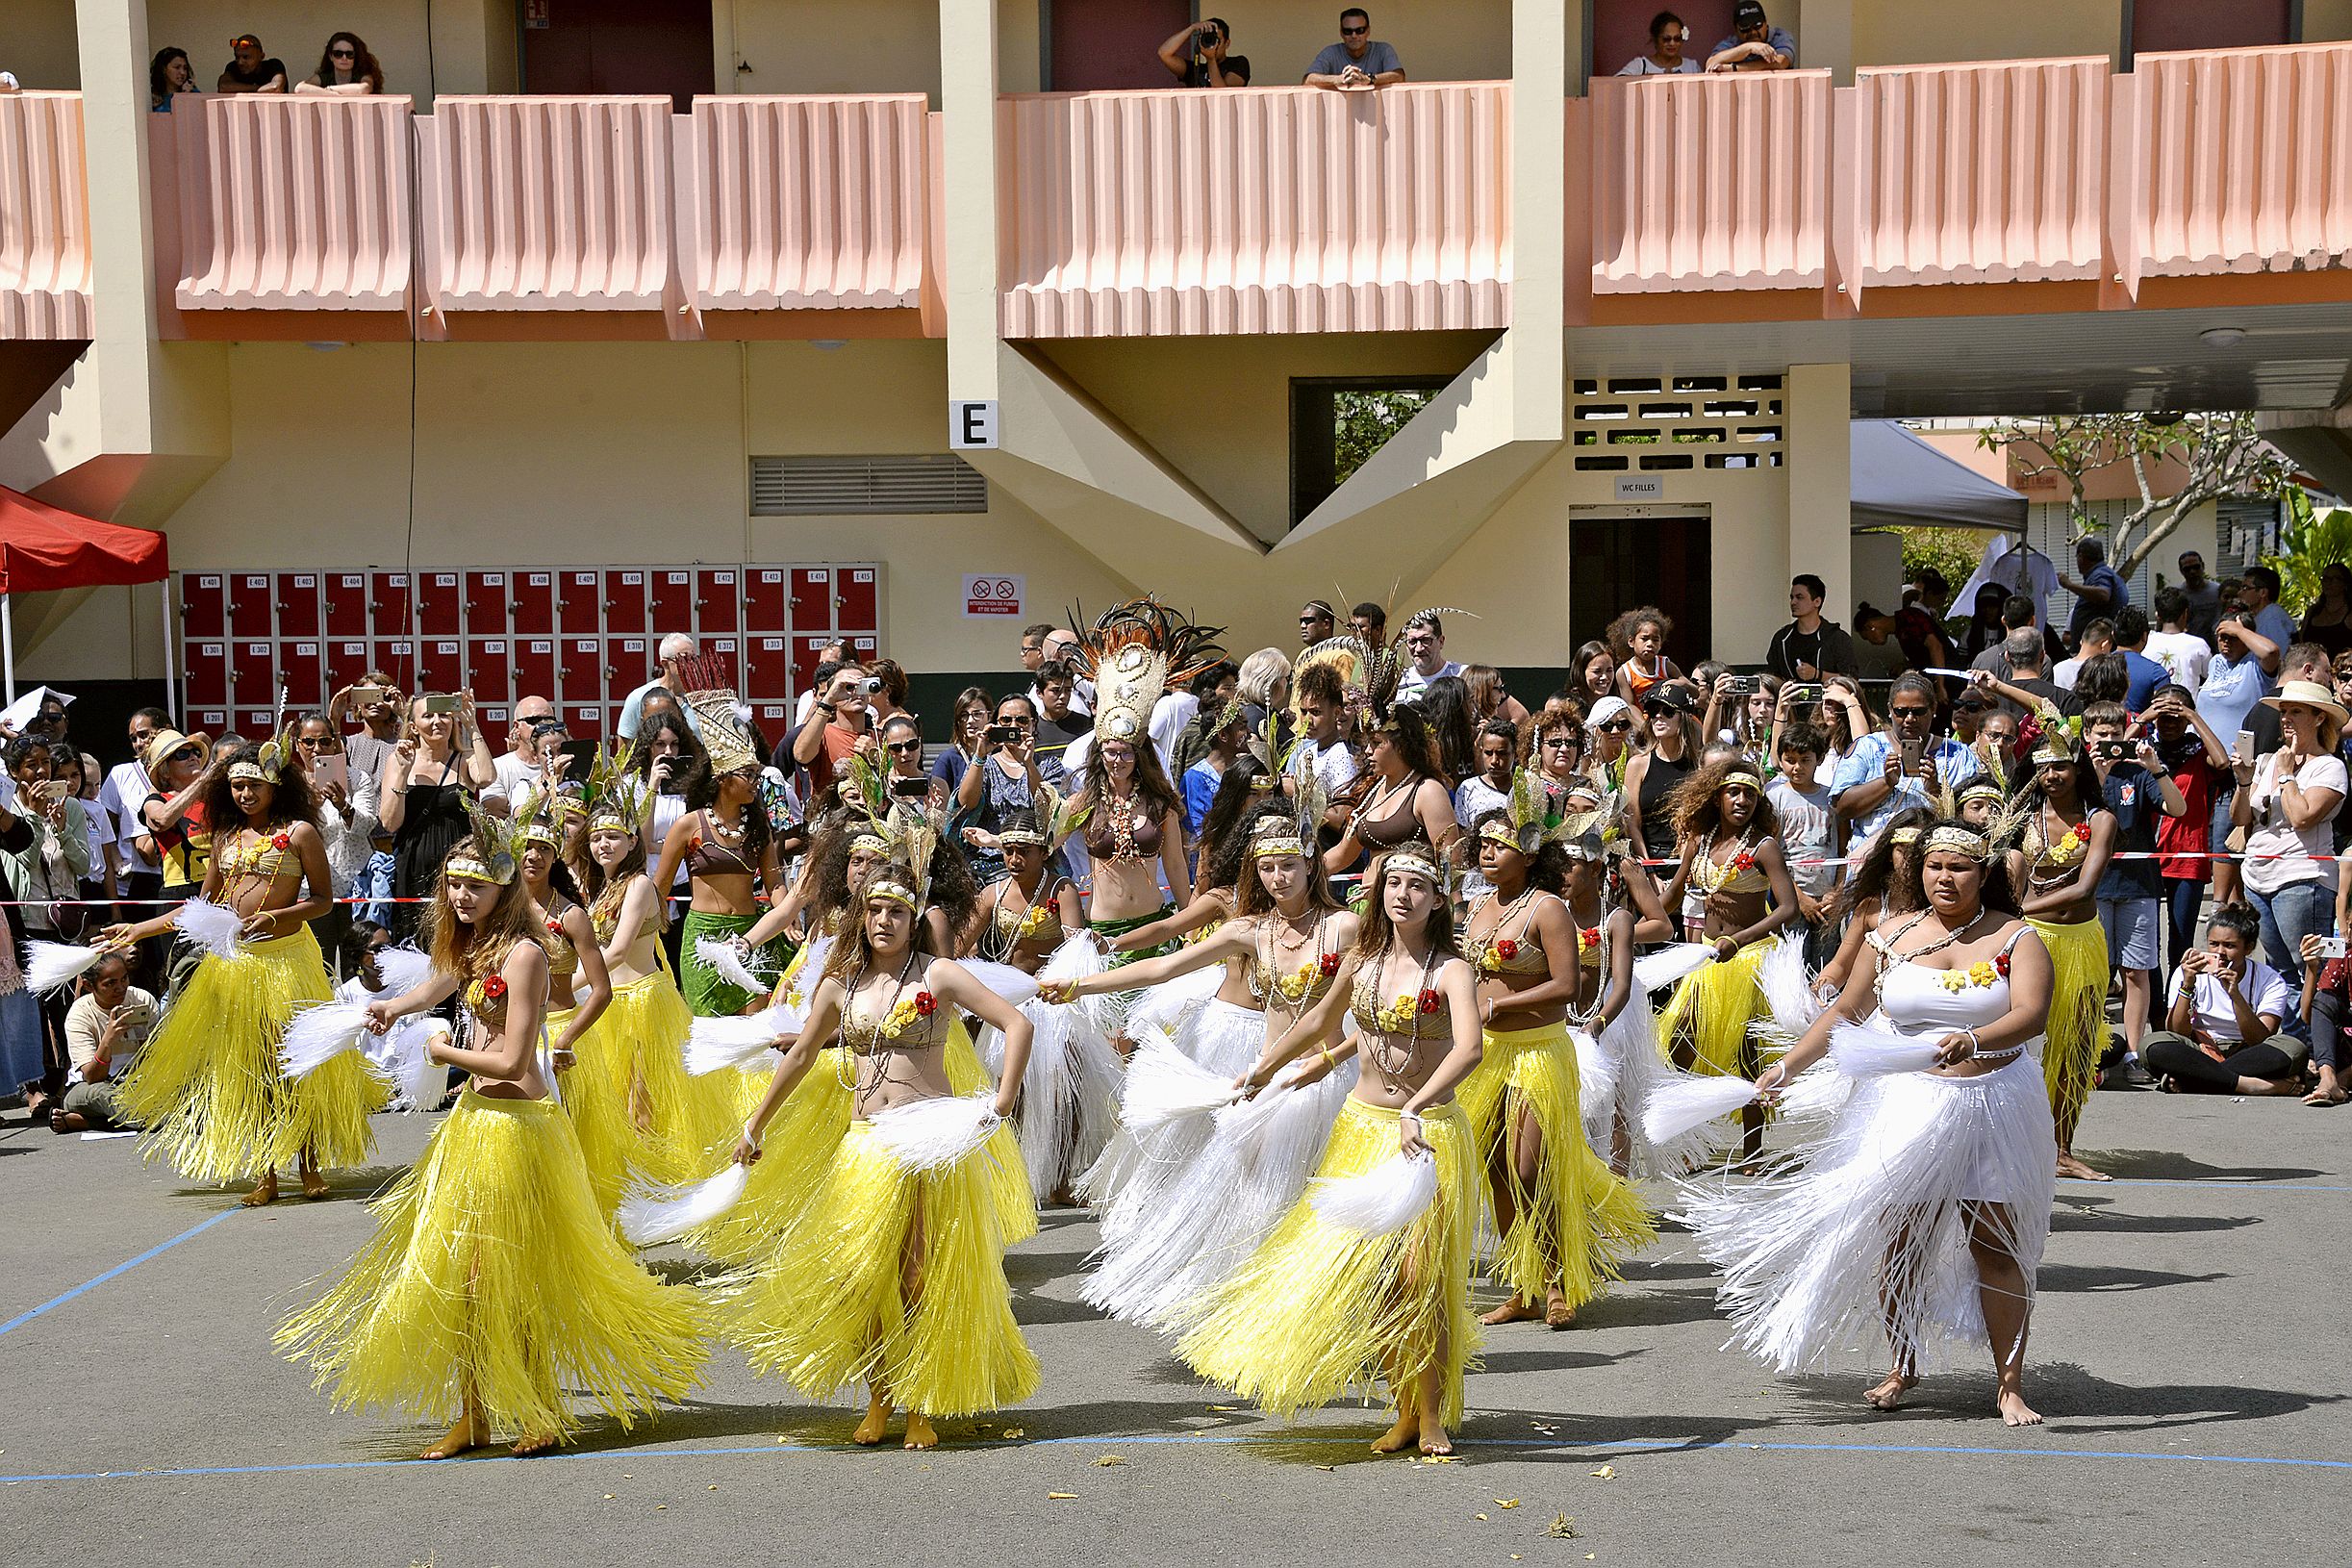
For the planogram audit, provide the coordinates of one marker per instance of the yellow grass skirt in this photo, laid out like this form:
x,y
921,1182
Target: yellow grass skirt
x,y
1575,1222
491,1268
2078,1018
1319,1310
826,1306
208,1088
1713,1008
640,1115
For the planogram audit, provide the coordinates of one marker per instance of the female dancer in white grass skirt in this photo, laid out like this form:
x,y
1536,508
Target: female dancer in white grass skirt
x,y
1357,1283
1922,1209
890,1274
494,1284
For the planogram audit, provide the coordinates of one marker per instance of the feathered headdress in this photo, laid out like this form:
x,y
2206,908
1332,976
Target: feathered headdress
x,y
277,754
1372,696
618,799
2062,737
1292,832
542,822
710,694
1527,824
488,854
903,831
1343,655
1419,857
1133,652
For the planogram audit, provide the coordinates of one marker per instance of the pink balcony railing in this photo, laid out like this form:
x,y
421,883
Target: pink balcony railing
x,y
44,218
1981,173
810,203
293,202
1281,210
550,204
2239,161
1711,182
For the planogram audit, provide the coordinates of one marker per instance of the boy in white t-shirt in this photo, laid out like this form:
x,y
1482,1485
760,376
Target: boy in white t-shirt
x,y
1808,824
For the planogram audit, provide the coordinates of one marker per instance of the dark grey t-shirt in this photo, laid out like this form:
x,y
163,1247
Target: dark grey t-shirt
x,y
1378,57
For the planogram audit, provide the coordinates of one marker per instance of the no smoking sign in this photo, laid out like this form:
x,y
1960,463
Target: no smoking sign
x,y
990,593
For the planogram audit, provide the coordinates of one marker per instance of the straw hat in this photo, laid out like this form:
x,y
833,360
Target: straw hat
x,y
2310,693
169,741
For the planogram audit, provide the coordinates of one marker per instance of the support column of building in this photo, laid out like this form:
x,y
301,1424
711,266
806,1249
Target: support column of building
x,y
1820,479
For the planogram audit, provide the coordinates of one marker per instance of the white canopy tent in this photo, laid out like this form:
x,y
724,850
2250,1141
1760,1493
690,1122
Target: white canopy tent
x,y
1901,481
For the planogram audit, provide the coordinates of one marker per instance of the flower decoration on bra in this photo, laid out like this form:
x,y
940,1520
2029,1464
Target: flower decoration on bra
x,y
1982,972
1429,1000
1133,652
1330,965
281,840
1403,1016
2000,963
1587,938
493,987
904,1015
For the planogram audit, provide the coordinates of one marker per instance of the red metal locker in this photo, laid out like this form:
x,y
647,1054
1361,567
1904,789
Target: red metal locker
x,y
346,663
624,600
854,606
297,604
670,596
387,596
579,602
535,668
763,591
253,601
490,670
254,725
768,670
628,664
774,720
812,600
204,604
534,601
298,673
395,657
864,649
347,597
208,675
718,600
581,669
487,598
806,651
208,721
585,720
439,665
441,602
726,651
253,675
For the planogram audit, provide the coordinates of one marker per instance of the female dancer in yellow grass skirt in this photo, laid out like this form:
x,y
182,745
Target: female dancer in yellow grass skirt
x,y
1368,1276
1565,1218
892,1270
495,1284
1731,852
579,987
208,1088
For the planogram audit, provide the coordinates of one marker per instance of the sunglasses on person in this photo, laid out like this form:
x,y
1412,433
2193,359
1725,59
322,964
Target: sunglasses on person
x,y
1617,726
1910,713
343,54
915,745
1354,32
1564,738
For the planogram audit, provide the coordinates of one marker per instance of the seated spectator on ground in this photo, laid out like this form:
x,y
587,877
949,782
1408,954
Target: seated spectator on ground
x,y
1358,60
2182,652
1196,56
346,68
1809,647
249,70
1667,36
104,1028
2327,999
2098,593
2221,1030
1754,43
170,75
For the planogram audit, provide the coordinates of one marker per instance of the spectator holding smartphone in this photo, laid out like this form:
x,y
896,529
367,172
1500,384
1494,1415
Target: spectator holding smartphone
x,y
2198,762
104,1028
1358,60
1196,56
2221,1028
2139,794
441,761
839,726
1005,778
2286,801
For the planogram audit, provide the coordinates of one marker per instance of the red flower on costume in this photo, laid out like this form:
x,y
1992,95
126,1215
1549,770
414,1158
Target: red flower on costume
x,y
2000,964
1428,1001
284,841
495,987
1589,936
1330,964
1506,950
2081,832
925,1004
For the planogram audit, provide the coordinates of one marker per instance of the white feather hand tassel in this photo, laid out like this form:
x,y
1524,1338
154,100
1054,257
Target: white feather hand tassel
x,y
1015,986
1164,1085
52,966
1788,986
715,1044
719,953
211,926
418,1082
1861,1052
1655,972
319,1034
1385,1199
649,1216
1684,1101
402,970
933,1134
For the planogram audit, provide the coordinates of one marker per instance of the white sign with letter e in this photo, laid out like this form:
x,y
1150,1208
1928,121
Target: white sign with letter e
x,y
988,595
972,425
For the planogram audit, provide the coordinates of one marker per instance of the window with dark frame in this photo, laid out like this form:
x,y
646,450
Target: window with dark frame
x,y
1336,422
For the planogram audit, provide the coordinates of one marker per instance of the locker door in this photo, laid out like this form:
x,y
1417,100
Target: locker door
x,y
727,654
204,604
396,657
812,600
346,593
585,720
257,724
299,666
854,606
580,669
768,668
763,593
346,663
774,720
628,664
253,600
579,602
208,675
387,596
208,721
534,604
441,601
804,655
624,600
297,595
487,595
718,600
490,669
535,668
253,675
670,594
439,665
864,649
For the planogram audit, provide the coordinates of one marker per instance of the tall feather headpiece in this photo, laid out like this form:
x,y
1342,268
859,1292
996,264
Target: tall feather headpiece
x,y
1133,652
1527,824
2062,737
618,799
277,755
709,694
486,854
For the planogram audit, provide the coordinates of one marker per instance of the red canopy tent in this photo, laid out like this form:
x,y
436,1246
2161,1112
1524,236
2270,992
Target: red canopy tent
x,y
43,548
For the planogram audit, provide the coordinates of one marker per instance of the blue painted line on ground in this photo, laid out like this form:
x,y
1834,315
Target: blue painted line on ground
x,y
2202,1186
1208,1440
119,1269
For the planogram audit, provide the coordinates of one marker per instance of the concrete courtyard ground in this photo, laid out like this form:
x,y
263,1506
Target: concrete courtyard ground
x,y
2189,1351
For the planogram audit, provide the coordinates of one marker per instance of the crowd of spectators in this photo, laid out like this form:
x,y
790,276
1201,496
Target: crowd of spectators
x,y
346,68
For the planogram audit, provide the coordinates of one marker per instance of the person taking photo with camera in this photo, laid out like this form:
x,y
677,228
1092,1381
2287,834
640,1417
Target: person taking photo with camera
x,y
1005,778
2139,790
1196,56
840,725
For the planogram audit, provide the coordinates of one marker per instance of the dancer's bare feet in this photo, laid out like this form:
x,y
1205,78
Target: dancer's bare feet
x,y
1557,1313
265,1191
1395,1439
869,1433
2014,1411
919,1432
530,1445
2069,1166
1434,1438
1889,1395
1514,1310
467,1433
313,1181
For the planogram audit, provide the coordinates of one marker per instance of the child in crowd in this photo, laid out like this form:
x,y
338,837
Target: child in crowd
x,y
1809,827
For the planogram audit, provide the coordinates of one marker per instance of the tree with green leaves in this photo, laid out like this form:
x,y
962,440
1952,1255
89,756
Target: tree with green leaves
x,y
2310,543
